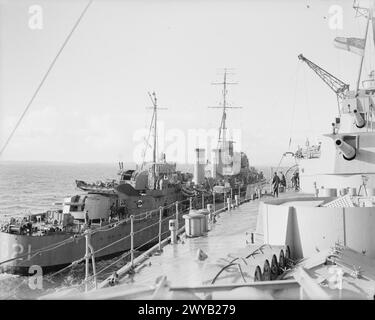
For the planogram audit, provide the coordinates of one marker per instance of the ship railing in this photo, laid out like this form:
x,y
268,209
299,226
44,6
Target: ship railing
x,y
30,255
91,280
181,207
162,235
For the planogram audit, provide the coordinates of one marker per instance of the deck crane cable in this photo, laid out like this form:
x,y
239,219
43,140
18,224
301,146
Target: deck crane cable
x,y
339,71
307,102
294,104
45,77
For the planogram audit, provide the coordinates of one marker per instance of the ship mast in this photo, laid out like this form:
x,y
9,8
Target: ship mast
x,y
154,123
224,107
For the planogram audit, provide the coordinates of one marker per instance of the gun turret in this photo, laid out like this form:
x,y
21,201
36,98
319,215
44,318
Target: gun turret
x,y
359,121
349,152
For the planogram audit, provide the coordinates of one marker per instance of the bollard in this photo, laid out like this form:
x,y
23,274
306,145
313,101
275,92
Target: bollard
x,y
236,200
173,230
132,240
209,209
160,218
231,193
202,200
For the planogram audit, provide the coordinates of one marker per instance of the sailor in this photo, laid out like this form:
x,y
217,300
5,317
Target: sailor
x,y
275,185
295,180
282,179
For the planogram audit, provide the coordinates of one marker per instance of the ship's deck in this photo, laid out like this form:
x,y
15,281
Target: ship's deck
x,y
228,237
177,273
180,263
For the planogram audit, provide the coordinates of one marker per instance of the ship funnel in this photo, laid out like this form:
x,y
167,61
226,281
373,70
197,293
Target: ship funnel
x,y
348,151
199,167
359,121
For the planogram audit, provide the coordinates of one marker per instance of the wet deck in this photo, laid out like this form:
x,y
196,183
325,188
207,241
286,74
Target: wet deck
x,y
177,273
180,263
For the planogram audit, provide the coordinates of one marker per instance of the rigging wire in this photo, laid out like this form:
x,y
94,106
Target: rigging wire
x,y
294,104
45,77
365,67
307,103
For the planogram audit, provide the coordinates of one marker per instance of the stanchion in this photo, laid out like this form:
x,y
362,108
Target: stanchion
x,y
160,218
87,259
132,240
93,267
213,201
177,214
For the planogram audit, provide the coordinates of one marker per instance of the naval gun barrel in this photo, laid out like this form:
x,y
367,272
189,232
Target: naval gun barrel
x,y
347,150
359,121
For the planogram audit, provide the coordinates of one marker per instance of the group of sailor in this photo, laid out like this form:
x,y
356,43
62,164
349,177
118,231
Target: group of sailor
x,y
279,182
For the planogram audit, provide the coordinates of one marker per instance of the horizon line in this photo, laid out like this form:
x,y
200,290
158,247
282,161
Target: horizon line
x,y
110,162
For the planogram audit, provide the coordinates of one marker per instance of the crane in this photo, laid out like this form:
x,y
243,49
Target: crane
x,y
338,86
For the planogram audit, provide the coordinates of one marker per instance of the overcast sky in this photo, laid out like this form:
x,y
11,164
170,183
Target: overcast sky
x,y
93,105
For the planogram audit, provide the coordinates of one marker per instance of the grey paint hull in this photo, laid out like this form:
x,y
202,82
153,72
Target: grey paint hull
x,y
12,245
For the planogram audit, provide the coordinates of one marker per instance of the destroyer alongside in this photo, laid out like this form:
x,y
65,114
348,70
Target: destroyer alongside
x,y
54,239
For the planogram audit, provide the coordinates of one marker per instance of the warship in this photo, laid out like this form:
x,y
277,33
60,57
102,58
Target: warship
x,y
56,238
116,218
141,202
312,242
226,168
